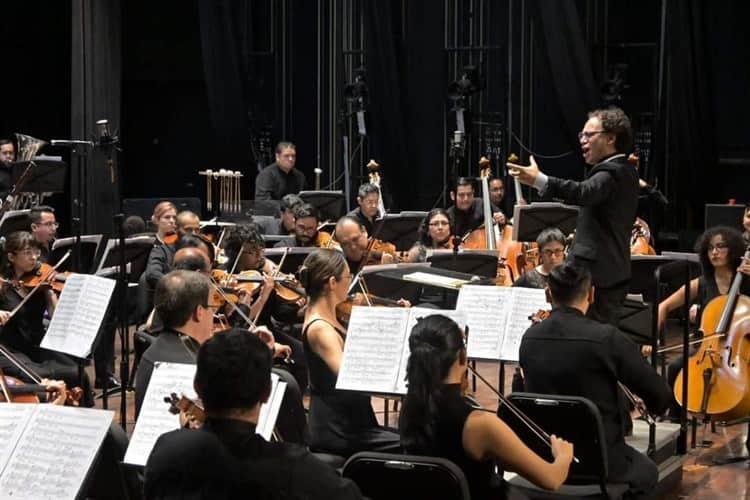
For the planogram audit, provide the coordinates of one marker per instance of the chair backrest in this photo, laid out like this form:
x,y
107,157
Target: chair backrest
x,y
386,475
89,251
572,418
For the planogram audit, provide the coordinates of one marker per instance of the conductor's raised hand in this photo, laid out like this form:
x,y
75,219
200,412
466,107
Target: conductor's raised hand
x,y
526,175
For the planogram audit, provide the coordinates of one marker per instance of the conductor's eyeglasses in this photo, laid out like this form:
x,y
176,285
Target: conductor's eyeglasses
x,y
590,134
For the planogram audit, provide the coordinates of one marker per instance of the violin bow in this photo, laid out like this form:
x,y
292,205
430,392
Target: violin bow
x,y
18,364
235,308
38,286
638,406
275,274
4,387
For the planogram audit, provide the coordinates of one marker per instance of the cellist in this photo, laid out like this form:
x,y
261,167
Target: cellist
x,y
467,212
720,250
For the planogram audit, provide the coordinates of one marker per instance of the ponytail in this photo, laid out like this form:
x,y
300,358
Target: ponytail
x,y
435,343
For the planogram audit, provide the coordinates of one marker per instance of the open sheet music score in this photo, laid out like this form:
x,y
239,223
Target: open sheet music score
x,y
155,418
78,314
377,348
497,318
46,451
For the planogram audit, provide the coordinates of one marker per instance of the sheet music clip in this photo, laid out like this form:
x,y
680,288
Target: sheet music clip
x,y
530,220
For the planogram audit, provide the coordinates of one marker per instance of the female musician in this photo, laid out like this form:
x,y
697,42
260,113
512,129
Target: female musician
x,y
160,258
436,420
340,422
720,250
434,233
551,243
23,333
164,219
746,224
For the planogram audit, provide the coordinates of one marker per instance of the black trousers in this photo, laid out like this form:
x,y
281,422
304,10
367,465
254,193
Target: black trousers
x,y
628,465
608,302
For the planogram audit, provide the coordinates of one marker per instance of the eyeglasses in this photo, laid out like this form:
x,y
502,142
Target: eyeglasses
x,y
722,245
306,229
29,252
49,223
589,135
557,252
438,223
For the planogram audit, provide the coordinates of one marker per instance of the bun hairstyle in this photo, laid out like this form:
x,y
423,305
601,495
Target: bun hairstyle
x,y
435,343
568,283
163,207
318,268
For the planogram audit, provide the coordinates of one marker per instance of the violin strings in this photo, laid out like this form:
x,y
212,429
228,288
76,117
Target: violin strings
x,y
236,309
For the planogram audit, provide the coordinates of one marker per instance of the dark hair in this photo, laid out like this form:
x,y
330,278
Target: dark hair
x,y
195,241
133,224
3,142
435,343
238,357
177,295
496,178
568,283
16,242
736,248
615,121
463,181
423,233
306,210
367,188
190,259
548,235
35,214
282,145
238,236
289,202
318,267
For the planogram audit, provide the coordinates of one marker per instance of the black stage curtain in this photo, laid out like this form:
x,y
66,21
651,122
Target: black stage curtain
x,y
685,147
407,83
224,78
95,95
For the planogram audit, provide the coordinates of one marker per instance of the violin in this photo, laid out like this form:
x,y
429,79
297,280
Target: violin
x,y
43,275
379,248
171,237
20,392
344,309
191,411
325,240
640,239
288,288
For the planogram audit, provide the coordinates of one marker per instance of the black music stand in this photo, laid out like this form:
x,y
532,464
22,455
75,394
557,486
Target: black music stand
x,y
89,252
330,204
473,262
271,239
47,176
530,220
401,229
294,258
260,207
14,220
144,207
137,250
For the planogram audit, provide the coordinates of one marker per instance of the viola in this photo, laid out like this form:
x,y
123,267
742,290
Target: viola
x,y
20,392
344,309
171,237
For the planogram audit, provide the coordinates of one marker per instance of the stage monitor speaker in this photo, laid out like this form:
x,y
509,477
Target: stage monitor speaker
x,y
724,215
145,206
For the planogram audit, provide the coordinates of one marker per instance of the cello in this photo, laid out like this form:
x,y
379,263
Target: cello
x,y
717,381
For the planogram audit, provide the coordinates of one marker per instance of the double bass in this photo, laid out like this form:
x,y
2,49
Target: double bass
x,y
717,380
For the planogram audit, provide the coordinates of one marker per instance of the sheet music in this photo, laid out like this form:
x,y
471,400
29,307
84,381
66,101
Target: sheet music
x,y
13,420
372,352
269,411
525,302
155,419
54,453
434,280
486,309
78,315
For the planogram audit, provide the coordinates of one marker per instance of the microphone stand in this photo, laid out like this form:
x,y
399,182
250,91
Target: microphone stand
x,y
123,315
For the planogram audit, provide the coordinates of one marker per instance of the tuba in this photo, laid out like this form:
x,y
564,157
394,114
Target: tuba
x,y
28,146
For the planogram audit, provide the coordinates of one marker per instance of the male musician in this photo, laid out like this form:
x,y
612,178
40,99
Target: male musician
x,y
187,223
571,354
160,258
608,198
497,197
225,458
43,227
7,151
7,155
467,211
368,199
280,178
354,239
551,244
305,228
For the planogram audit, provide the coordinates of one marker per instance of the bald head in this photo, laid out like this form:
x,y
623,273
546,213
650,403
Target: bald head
x,y
187,222
191,259
353,238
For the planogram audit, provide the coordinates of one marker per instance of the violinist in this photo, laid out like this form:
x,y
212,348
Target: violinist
x,y
43,226
720,250
284,225
368,199
305,229
225,458
551,243
467,212
23,332
746,224
571,354
354,241
341,422
436,420
434,233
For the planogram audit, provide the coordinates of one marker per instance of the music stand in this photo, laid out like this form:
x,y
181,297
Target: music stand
x,y
330,204
475,262
530,220
269,208
137,250
89,250
144,207
14,220
47,176
294,258
401,229
271,239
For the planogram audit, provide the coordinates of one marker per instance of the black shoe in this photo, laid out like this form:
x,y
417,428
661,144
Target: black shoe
x,y
111,383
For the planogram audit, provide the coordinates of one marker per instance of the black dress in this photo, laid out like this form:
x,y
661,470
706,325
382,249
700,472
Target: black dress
x,y
341,422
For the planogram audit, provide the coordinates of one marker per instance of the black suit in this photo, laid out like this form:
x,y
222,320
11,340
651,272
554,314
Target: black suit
x,y
569,354
226,459
272,183
608,198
